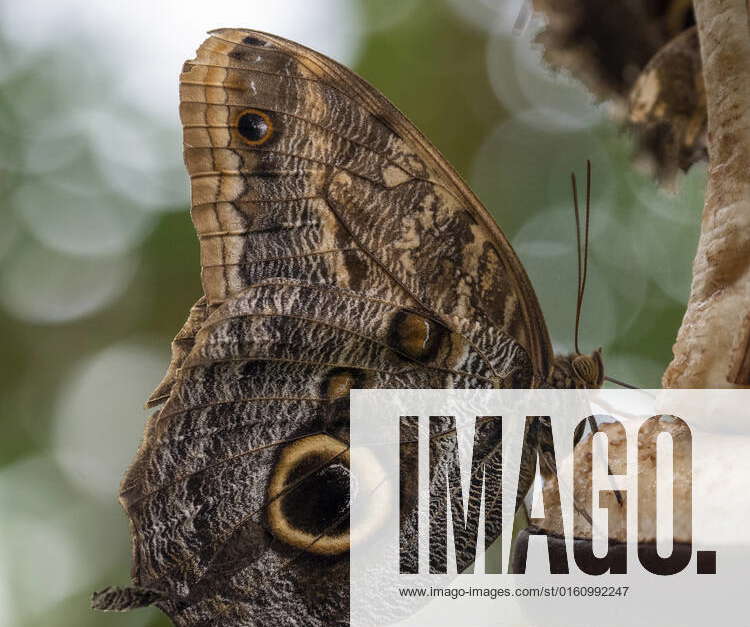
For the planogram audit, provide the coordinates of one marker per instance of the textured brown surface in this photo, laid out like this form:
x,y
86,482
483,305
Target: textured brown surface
x,y
339,250
344,190
712,343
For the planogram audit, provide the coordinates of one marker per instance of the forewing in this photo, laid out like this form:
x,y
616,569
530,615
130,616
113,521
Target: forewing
x,y
300,168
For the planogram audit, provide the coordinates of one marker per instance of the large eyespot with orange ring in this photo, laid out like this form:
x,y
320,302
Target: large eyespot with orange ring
x,y
308,495
310,492
254,126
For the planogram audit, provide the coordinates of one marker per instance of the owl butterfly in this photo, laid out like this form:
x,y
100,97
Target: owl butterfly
x,y
339,250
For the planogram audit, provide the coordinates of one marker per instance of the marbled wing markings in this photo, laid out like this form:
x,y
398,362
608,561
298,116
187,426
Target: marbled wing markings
x,y
176,474
181,347
295,156
301,88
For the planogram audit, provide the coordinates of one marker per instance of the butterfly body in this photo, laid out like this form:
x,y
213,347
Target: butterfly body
x,y
577,371
339,250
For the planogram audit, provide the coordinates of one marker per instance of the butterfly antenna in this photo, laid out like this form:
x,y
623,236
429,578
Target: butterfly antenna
x,y
582,248
583,259
577,214
621,383
586,235
583,267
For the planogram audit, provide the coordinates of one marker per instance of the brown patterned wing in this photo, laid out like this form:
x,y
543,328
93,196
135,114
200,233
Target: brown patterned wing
x,y
181,347
300,168
238,498
339,250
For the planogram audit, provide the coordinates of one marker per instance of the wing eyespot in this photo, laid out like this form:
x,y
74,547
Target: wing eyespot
x,y
311,490
255,126
339,381
420,338
254,41
309,495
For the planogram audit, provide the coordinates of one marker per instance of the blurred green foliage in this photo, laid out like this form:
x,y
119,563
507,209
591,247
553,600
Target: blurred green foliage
x,y
100,266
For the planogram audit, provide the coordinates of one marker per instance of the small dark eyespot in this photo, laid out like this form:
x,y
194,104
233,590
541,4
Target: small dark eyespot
x,y
417,337
338,381
255,126
253,41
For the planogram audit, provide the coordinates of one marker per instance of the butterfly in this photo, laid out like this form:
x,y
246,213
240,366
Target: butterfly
x,y
339,250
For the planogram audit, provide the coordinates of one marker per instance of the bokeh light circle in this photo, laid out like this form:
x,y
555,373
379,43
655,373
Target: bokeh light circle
x,y
40,286
525,84
99,409
83,220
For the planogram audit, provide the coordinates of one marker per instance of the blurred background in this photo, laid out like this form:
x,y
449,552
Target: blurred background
x,y
99,262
